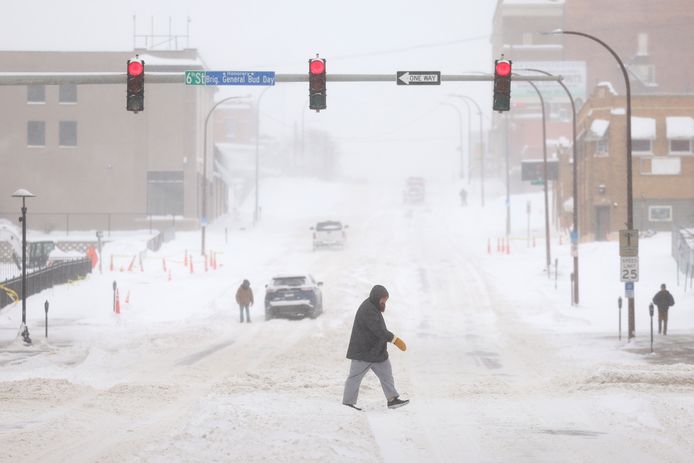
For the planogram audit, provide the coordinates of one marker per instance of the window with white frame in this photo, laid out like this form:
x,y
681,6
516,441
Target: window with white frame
x,y
67,93
641,146
660,213
601,147
680,146
36,94
67,133
36,133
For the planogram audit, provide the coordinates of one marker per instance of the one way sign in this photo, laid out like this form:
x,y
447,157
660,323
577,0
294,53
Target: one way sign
x,y
419,78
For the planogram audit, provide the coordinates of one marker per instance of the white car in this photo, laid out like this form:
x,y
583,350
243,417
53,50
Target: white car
x,y
329,234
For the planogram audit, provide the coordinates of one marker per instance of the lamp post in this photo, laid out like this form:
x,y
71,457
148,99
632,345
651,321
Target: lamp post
x,y
256,211
24,194
575,236
203,219
479,113
630,191
545,179
460,127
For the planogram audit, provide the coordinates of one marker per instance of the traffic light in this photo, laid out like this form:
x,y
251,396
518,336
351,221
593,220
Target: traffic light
x,y
502,84
136,85
316,84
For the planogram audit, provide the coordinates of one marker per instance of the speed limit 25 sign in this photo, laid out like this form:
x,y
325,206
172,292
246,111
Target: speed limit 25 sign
x,y
629,269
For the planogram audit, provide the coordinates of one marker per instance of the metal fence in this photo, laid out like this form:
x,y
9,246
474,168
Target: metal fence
x,y
38,280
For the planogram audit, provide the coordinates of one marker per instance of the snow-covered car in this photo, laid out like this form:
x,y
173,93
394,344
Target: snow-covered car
x,y
329,234
293,296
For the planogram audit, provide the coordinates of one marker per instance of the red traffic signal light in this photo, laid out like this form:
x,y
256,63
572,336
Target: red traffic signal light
x,y
316,66
502,85
502,68
135,85
135,68
317,84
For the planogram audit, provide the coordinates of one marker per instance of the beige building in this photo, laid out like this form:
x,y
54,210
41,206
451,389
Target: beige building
x,y
94,165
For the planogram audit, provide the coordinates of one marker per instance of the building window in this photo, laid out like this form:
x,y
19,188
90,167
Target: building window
x,y
601,147
36,133
67,133
642,44
165,193
67,93
660,213
680,146
641,146
36,94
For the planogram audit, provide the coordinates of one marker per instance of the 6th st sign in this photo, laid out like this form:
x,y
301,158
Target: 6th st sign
x,y
418,78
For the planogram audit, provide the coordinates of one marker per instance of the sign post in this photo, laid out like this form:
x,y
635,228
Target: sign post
x,y
418,78
629,270
264,78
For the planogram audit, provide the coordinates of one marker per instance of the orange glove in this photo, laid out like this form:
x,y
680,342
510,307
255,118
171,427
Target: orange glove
x,y
399,343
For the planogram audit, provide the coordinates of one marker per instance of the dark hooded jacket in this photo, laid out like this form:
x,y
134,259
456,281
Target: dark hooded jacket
x,y
369,333
663,299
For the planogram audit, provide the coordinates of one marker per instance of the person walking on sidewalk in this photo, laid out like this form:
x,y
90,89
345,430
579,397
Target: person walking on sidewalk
x,y
368,350
663,300
244,298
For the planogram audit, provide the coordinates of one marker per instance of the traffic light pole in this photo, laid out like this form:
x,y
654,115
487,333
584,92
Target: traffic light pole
x,y
204,218
545,182
575,238
95,78
479,113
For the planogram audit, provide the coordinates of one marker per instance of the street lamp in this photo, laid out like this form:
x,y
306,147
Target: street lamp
x,y
256,212
575,235
24,194
204,168
479,113
545,179
460,126
630,191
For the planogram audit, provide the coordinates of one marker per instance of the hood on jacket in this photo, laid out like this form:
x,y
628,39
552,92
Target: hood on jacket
x,y
378,292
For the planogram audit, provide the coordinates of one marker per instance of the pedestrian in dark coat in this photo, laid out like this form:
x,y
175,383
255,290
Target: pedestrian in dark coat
x,y
663,300
244,298
368,350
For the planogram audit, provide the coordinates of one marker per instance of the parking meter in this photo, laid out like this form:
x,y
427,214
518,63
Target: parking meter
x,y
650,309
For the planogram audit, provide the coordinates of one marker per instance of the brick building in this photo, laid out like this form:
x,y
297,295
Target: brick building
x,y
92,164
649,37
662,164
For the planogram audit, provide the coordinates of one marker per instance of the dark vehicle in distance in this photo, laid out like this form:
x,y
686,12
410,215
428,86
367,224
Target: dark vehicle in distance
x,y
293,296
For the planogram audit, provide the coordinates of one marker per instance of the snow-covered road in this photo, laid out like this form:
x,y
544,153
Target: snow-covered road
x,y
493,375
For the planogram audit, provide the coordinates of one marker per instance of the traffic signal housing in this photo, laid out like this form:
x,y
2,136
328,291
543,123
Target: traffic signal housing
x,y
136,85
316,84
502,85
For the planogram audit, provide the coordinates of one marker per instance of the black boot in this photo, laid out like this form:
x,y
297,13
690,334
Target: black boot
x,y
397,403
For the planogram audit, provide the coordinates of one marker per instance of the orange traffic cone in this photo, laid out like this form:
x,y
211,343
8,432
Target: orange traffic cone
x,y
111,267
132,264
508,246
117,308
185,259
127,298
163,261
191,265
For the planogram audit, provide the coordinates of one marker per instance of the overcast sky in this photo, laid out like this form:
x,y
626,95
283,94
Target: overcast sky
x,y
374,36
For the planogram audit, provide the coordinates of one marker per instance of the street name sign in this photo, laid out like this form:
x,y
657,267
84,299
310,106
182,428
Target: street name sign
x,y
628,243
230,78
629,269
418,78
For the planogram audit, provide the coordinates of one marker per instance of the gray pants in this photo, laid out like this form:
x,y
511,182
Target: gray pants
x,y
357,371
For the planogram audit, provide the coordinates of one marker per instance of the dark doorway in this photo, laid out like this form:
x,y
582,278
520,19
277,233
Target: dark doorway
x,y
602,222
